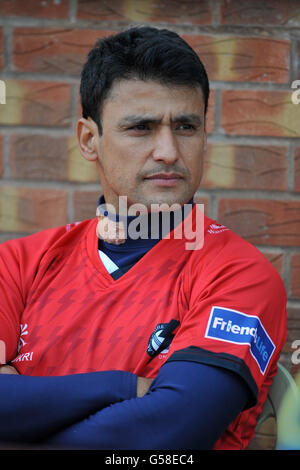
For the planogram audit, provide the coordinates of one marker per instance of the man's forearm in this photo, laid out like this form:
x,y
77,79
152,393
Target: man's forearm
x,y
188,406
31,408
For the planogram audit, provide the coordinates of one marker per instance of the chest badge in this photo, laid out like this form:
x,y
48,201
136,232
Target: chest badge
x,y
161,338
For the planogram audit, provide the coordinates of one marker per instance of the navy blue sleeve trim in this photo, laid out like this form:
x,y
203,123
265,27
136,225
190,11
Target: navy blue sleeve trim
x,y
224,360
188,406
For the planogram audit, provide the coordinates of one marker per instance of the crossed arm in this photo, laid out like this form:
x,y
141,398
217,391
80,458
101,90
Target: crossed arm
x,y
188,405
142,383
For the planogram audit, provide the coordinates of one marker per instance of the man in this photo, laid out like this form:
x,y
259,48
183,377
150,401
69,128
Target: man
x,y
114,341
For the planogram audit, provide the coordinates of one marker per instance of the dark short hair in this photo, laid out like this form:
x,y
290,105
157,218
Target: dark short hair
x,y
144,53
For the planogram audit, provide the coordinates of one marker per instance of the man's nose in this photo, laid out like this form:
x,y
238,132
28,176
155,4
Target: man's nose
x,y
165,146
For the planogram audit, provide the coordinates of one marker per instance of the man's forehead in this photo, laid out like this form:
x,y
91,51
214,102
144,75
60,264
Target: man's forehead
x,y
151,98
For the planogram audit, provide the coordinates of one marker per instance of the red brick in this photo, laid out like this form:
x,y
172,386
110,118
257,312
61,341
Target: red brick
x,y
297,170
245,167
264,222
276,259
34,8
49,158
38,157
269,113
295,275
32,103
52,50
100,10
85,204
256,12
28,210
244,59
168,11
210,116
293,328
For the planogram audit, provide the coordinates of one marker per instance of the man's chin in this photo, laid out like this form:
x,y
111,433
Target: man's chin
x,y
164,202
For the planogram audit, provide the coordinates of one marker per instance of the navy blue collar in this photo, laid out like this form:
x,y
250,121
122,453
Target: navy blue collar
x,y
156,226
132,250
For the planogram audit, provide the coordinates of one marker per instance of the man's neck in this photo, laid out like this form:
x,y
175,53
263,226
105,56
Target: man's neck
x,y
116,229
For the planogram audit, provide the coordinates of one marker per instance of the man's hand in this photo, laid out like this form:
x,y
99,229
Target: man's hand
x,y
8,370
143,385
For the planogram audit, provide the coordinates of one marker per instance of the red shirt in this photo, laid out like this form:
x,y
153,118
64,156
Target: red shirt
x,y
62,313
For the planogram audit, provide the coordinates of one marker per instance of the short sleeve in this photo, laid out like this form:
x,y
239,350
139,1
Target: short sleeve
x,y
20,264
236,316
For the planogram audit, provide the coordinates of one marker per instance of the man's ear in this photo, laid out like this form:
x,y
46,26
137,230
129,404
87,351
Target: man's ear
x,y
88,138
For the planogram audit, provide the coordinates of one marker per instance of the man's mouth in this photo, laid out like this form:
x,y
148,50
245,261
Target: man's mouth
x,y
165,179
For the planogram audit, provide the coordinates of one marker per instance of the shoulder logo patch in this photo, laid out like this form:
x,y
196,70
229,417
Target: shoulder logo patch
x,y
229,325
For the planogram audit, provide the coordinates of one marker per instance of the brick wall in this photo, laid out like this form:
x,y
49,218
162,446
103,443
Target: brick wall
x,y
252,170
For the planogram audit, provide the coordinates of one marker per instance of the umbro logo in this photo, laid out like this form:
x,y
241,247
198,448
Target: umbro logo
x,y
23,332
217,228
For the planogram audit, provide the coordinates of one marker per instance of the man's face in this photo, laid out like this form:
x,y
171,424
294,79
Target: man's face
x,y
151,148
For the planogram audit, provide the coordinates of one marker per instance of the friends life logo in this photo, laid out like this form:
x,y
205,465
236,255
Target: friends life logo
x,y
231,326
2,92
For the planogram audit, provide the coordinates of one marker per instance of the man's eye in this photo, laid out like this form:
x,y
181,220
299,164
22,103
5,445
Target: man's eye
x,y
139,127
186,127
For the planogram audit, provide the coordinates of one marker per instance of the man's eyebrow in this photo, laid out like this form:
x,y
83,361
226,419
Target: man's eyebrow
x,y
133,119
189,118
137,118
